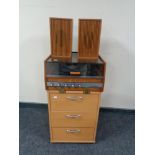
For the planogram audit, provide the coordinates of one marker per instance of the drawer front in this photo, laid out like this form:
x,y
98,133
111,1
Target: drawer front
x,y
72,134
73,119
74,102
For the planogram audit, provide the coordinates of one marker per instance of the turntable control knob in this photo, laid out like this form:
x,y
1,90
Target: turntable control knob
x,y
72,85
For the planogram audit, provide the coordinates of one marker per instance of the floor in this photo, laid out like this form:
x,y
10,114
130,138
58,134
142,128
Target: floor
x,y
115,134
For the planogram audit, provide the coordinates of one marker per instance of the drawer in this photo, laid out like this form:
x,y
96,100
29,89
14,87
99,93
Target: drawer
x,y
72,135
73,119
74,102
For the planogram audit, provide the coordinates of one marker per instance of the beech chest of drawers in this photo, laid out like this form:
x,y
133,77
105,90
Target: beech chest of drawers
x,y
73,116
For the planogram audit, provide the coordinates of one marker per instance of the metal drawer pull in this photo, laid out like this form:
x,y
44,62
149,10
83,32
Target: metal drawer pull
x,y
55,97
73,131
73,116
74,98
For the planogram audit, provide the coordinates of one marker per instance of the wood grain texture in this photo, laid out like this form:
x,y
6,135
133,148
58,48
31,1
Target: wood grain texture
x,y
97,115
74,89
49,114
89,38
73,79
84,127
61,135
74,102
70,92
73,119
61,37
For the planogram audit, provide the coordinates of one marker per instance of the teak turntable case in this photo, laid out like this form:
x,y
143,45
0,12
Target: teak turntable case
x,y
61,38
74,74
89,38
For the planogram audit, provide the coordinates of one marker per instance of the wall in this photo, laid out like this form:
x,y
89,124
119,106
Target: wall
x,y
117,45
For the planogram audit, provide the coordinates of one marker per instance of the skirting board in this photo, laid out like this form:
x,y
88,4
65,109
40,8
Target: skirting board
x,y
44,106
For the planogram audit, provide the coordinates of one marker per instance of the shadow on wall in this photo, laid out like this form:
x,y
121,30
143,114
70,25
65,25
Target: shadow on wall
x,y
120,72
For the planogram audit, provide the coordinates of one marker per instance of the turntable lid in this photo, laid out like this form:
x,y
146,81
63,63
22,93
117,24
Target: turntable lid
x,y
75,59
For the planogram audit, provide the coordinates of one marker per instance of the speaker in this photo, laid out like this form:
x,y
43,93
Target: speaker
x,y
61,38
89,38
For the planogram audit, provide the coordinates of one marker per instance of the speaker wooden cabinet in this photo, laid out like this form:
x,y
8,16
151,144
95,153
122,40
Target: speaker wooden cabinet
x,y
89,38
61,38
73,116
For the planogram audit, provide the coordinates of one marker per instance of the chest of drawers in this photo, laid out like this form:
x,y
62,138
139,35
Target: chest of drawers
x,y
73,116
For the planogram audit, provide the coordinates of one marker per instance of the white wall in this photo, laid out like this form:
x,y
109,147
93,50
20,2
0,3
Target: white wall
x,y
117,45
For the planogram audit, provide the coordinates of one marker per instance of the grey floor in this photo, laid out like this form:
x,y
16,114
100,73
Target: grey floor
x,y
115,135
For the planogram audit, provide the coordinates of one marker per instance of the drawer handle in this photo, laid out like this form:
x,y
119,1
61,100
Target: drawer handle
x,y
55,97
74,98
73,131
73,116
